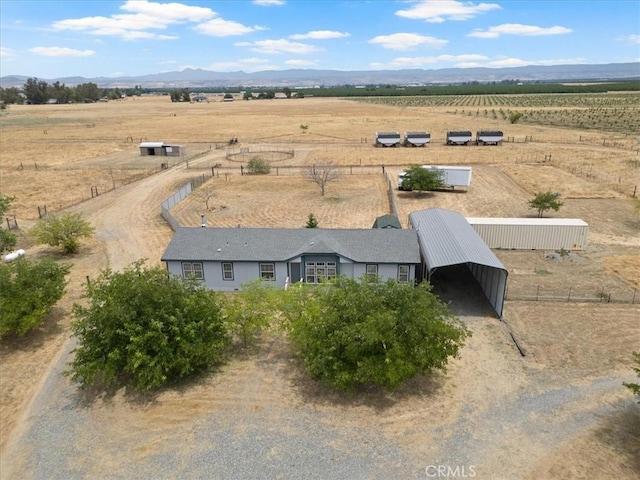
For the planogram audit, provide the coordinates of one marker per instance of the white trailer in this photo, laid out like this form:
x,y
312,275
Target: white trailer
x,y
532,233
452,176
459,137
416,139
489,137
387,139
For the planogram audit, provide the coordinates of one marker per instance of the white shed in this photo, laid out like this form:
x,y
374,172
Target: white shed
x,y
532,233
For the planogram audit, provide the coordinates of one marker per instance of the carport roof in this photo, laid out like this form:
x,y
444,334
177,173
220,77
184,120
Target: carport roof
x,y
446,238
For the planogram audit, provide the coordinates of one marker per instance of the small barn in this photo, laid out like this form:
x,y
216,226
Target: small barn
x,y
387,221
161,149
448,242
532,233
387,139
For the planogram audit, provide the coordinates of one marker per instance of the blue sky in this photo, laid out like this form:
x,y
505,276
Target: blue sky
x,y
93,38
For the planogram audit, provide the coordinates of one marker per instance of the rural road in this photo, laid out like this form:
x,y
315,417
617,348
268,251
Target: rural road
x,y
252,421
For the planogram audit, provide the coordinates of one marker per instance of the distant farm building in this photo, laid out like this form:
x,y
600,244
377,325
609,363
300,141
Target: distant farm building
x,y
456,137
161,149
489,137
416,139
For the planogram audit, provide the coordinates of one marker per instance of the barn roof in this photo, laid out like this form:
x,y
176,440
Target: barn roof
x,y
151,144
283,244
387,221
448,239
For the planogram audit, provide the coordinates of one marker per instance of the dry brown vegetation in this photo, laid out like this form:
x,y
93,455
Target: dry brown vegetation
x,y
567,345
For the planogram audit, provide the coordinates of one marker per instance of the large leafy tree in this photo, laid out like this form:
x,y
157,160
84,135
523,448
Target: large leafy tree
x,y
64,231
36,91
28,291
145,328
544,201
419,179
351,333
8,240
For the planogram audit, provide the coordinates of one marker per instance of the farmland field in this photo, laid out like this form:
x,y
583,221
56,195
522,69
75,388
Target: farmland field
x,y
559,411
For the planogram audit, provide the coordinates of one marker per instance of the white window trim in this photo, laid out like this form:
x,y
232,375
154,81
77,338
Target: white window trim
x,y
225,272
192,271
272,272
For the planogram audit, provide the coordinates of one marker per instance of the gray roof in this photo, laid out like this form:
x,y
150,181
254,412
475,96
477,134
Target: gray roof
x,y
448,239
387,221
283,244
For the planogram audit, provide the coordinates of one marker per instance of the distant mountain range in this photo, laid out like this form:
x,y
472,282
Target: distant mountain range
x,y
194,78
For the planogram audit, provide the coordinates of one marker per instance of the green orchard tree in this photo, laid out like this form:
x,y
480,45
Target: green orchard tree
x,y
63,231
351,333
28,291
419,179
8,239
145,328
544,201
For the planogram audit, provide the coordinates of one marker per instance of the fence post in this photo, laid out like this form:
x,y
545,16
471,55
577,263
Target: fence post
x,y
633,300
569,295
537,293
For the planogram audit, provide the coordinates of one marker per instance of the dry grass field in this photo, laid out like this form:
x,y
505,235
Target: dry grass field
x,y
558,412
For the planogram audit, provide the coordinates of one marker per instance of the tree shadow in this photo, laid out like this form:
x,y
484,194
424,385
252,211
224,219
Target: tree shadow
x,y
32,341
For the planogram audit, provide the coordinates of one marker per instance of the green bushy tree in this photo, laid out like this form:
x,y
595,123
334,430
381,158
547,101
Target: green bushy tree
x,y
8,239
258,166
28,291
145,328
419,179
63,231
635,387
351,333
250,310
544,201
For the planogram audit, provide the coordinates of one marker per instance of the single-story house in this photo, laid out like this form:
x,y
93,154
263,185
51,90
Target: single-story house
x,y
226,258
161,149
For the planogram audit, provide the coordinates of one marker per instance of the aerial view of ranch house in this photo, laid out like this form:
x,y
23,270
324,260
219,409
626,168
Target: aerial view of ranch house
x,y
374,282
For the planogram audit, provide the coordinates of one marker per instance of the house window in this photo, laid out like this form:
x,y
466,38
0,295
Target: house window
x,y
372,273
316,272
193,269
403,273
227,271
268,271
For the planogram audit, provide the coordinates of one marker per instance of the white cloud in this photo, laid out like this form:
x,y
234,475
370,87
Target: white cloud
x,y
407,41
253,64
320,35
61,52
420,62
301,63
633,39
438,11
519,29
279,46
224,28
269,3
7,53
143,17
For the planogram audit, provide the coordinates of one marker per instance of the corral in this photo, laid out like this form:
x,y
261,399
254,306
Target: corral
x,y
558,411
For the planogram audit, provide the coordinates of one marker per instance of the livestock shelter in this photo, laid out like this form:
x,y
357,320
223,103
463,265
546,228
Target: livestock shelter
x,y
532,233
447,240
161,149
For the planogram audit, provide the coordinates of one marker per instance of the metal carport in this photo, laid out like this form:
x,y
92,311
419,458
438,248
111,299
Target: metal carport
x,y
446,239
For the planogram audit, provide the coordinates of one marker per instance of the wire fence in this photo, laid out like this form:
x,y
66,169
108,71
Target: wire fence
x,y
571,294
